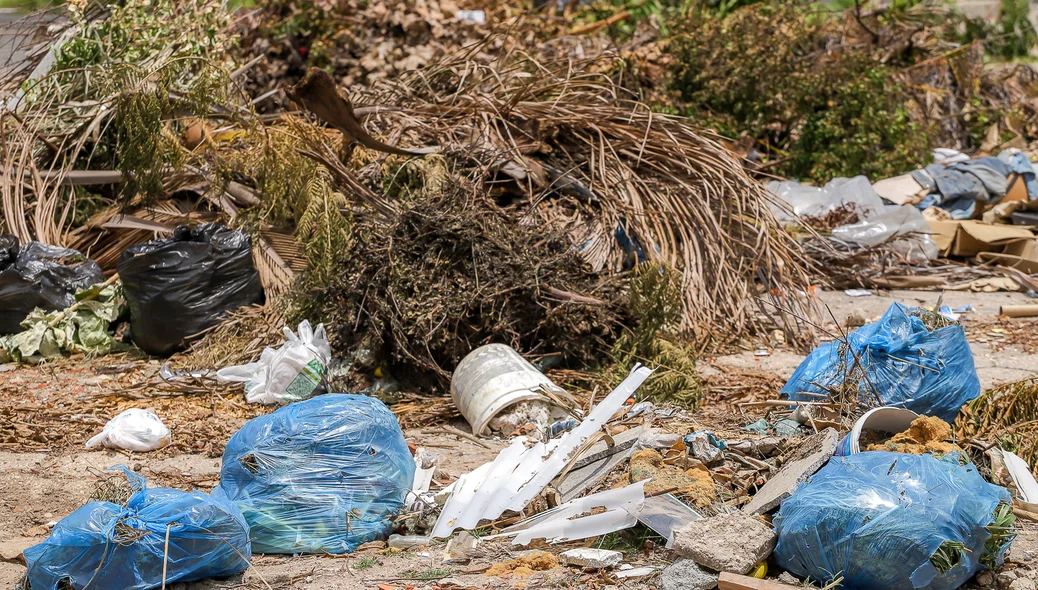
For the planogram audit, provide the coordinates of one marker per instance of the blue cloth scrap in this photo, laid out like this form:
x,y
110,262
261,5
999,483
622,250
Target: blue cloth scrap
x,y
1017,162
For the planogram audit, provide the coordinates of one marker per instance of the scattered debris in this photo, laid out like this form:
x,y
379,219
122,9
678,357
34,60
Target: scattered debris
x,y
812,454
520,473
695,482
733,542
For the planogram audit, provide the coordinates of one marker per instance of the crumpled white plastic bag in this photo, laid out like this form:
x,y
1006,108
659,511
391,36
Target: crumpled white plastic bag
x,y
290,373
133,430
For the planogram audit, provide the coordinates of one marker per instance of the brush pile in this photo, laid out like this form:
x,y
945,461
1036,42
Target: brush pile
x,y
483,195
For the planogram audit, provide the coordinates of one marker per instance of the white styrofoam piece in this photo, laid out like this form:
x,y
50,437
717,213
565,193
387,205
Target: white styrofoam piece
x,y
1020,471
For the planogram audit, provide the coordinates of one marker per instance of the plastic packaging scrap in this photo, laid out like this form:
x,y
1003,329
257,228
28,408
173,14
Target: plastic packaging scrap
x,y
36,275
133,430
904,364
322,475
703,445
811,201
178,287
903,226
160,534
293,372
893,521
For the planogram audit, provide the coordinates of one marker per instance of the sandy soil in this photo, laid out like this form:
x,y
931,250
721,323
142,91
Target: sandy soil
x,y
53,477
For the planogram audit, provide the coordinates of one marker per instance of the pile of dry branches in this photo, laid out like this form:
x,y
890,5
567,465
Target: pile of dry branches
x,y
573,152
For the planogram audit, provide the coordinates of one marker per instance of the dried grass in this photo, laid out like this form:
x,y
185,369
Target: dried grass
x,y
1006,415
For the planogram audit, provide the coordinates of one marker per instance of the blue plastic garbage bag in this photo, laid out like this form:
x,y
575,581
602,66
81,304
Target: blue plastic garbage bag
x,y
323,475
106,545
876,518
908,366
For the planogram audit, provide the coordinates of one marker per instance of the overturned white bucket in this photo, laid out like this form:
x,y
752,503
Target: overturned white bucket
x,y
493,378
888,419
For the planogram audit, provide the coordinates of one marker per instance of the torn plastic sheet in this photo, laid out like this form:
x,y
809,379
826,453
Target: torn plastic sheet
x,y
559,524
518,473
666,514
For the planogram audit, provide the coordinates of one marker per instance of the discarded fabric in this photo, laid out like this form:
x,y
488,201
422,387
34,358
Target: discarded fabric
x,y
322,475
879,519
36,275
904,365
133,430
293,372
160,535
180,286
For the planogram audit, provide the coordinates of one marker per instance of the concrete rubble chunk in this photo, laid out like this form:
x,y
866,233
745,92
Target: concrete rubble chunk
x,y
788,578
1023,584
684,574
806,461
591,558
733,542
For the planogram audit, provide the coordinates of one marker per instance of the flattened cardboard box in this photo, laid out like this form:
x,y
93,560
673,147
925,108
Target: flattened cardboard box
x,y
969,238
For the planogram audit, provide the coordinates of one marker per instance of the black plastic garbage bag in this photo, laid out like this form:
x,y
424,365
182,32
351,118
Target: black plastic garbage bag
x,y
38,275
178,287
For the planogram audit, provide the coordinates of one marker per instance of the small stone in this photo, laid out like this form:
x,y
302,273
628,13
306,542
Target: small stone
x,y
1023,584
788,578
591,558
684,574
1006,577
734,542
985,578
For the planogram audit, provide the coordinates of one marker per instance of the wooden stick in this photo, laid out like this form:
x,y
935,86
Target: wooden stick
x,y
465,435
1025,514
1019,311
730,581
65,312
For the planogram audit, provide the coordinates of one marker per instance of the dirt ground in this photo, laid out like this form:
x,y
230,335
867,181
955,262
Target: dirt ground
x,y
45,473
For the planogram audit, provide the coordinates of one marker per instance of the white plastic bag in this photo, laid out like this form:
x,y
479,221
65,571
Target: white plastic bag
x,y
811,201
133,430
287,374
